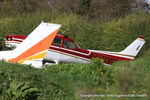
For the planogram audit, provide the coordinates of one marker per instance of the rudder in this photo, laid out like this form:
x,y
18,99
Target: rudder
x,y
134,48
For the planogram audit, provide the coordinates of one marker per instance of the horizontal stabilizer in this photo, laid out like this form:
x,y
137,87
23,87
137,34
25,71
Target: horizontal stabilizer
x,y
35,46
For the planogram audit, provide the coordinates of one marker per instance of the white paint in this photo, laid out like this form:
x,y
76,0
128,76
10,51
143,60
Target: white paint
x,y
134,47
40,33
58,56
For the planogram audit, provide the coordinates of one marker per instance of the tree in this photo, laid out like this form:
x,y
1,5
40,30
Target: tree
x,y
27,6
84,7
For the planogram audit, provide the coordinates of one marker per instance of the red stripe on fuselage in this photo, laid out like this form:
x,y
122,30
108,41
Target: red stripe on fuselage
x,y
73,52
14,40
108,59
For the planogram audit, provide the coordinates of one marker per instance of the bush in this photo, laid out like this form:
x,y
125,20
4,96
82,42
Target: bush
x,y
118,34
132,77
48,85
89,36
114,35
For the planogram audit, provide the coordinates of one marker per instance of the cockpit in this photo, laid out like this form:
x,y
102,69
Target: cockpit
x,y
64,42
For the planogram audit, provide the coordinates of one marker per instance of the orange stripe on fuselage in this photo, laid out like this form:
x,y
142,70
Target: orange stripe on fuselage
x,y
39,47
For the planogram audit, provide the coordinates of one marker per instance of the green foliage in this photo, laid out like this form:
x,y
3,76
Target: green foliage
x,y
14,78
84,7
72,80
26,23
90,36
118,34
51,82
2,44
132,77
23,91
115,35
95,74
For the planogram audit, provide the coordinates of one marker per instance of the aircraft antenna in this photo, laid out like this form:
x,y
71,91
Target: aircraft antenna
x,y
65,30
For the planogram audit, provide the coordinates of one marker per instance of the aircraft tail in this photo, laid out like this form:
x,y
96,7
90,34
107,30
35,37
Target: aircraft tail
x,y
35,46
133,49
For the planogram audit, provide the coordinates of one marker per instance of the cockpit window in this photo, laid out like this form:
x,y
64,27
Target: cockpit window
x,y
11,38
68,44
57,41
7,37
78,46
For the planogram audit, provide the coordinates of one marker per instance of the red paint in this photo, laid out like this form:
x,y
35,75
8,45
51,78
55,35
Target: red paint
x,y
141,37
16,36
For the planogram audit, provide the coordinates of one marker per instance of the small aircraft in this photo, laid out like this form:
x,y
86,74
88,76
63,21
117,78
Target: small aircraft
x,y
34,48
64,49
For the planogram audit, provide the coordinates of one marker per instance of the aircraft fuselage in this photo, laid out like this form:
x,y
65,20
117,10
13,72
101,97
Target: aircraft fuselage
x,y
64,49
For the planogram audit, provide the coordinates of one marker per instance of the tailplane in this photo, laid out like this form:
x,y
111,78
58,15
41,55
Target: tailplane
x,y
133,49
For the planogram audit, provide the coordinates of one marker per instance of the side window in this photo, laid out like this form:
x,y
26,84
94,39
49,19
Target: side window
x,y
11,38
7,37
68,44
57,41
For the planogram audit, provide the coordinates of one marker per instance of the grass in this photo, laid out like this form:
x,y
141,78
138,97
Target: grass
x,y
73,80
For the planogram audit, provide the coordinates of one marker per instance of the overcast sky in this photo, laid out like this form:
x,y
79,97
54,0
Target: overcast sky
x,y
148,1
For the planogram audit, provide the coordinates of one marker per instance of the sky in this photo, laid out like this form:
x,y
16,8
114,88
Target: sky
x,y
148,1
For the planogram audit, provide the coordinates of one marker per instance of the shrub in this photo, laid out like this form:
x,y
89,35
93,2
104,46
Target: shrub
x,y
132,77
118,34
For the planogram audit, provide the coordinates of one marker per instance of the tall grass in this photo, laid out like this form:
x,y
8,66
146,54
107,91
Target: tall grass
x,y
132,77
73,80
55,81
48,84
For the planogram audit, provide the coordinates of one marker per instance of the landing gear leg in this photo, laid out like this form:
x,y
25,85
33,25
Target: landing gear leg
x,y
43,63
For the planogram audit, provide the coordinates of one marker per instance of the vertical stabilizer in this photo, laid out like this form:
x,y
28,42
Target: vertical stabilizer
x,y
133,49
